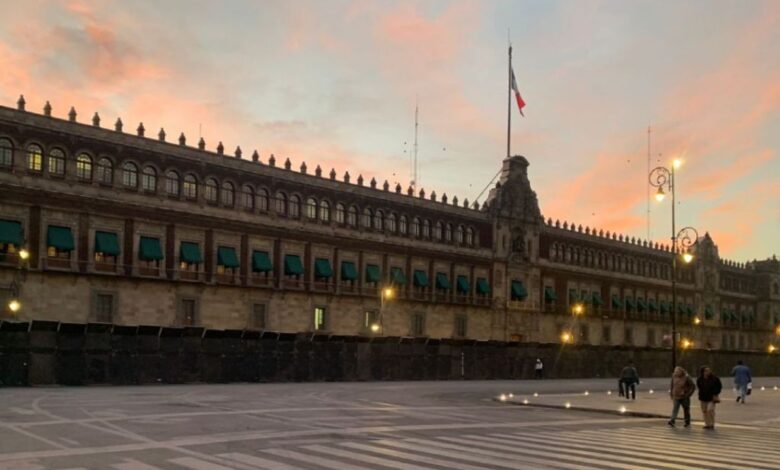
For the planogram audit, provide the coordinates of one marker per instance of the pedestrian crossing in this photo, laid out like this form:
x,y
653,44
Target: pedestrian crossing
x,y
648,446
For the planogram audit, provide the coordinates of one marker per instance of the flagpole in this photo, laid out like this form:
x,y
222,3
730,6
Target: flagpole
x,y
509,103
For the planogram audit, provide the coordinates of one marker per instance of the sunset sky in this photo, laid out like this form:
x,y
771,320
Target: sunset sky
x,y
335,82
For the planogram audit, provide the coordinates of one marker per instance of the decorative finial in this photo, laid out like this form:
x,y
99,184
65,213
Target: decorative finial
x,y
398,188
47,109
272,160
455,201
141,130
360,180
72,114
220,148
287,164
410,191
444,198
386,186
433,195
20,103
372,183
182,139
238,152
346,177
466,203
255,156
318,171
303,168
333,174
118,125
476,205
161,135
96,120
202,144
422,193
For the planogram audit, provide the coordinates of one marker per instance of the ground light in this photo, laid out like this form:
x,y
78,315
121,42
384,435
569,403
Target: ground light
x,y
567,405
536,394
586,393
651,391
609,392
622,409
525,401
502,397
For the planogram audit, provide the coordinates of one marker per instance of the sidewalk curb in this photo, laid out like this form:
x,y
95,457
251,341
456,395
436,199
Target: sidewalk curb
x,y
636,414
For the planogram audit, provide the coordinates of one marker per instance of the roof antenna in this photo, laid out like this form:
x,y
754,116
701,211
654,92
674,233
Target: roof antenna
x,y
414,153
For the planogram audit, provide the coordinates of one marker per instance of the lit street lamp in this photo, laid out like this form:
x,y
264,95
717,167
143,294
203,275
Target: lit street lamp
x,y
682,241
385,294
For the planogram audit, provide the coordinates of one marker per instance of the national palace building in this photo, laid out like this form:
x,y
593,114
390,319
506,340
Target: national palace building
x,y
126,228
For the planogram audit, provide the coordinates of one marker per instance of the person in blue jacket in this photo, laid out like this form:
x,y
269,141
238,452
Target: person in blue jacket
x,y
742,378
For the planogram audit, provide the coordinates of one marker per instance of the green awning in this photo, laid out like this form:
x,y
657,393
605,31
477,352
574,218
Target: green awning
x,y
106,243
689,309
11,232
664,306
708,313
482,286
549,294
616,301
226,256
322,268
442,281
725,315
641,305
463,285
293,265
149,249
584,297
420,278
518,291
60,238
261,262
652,305
680,308
348,271
397,276
630,304
190,253
596,299
572,296
373,274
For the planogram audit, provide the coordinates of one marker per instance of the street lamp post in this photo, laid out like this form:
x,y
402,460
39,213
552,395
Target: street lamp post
x,y
385,294
662,177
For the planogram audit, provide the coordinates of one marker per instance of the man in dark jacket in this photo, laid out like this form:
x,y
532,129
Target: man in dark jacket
x,y
680,390
709,390
629,377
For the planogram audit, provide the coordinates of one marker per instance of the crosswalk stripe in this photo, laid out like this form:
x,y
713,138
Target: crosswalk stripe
x,y
258,462
409,456
606,449
321,461
564,453
132,464
481,456
197,464
728,444
638,443
362,457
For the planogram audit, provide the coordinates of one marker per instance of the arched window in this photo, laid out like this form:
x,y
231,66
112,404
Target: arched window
x,y
130,175
470,237
311,208
149,179
379,220
228,194
352,216
459,234
105,171
437,231
402,225
324,211
212,191
190,186
295,206
426,228
6,153
448,233
281,203
56,162
262,199
416,227
34,157
172,183
391,223
84,167
248,199
367,216
340,213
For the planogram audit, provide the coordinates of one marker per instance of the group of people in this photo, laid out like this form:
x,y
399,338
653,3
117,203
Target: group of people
x,y
709,386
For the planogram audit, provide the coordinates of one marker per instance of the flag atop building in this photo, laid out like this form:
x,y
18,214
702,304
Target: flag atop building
x,y
520,102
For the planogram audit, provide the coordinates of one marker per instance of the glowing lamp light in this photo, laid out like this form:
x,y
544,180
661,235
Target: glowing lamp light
x,y
777,330
686,343
388,292
771,348
14,305
567,405
511,395
502,397
651,391
763,388
660,195
375,328
687,257
696,320
566,337
677,163
586,393
536,394
525,401
775,387
609,392
623,409
578,309
24,254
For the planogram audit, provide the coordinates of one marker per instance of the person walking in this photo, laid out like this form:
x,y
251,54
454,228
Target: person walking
x,y
680,390
709,390
629,377
742,379
538,369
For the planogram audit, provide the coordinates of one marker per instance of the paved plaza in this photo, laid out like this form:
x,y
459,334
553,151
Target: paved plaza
x,y
401,425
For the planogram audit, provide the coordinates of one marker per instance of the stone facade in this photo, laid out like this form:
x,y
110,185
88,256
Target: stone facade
x,y
495,271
